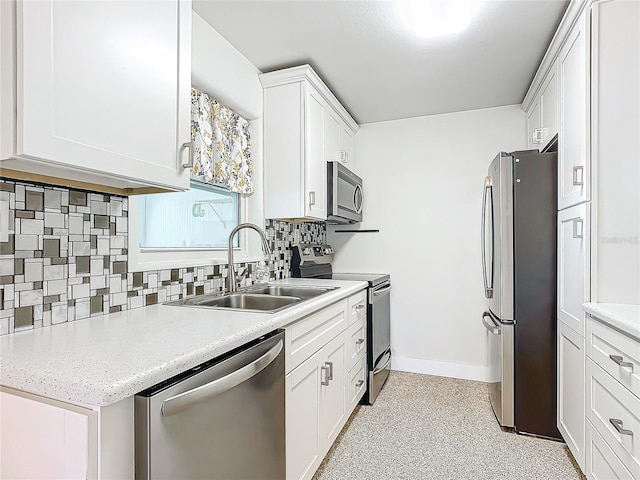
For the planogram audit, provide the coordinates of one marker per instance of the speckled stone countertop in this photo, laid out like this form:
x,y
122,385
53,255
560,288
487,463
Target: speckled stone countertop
x,y
101,360
625,318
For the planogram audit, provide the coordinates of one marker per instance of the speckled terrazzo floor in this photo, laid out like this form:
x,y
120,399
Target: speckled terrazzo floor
x,y
424,427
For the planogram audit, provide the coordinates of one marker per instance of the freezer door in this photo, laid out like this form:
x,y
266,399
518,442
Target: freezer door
x,y
501,361
497,237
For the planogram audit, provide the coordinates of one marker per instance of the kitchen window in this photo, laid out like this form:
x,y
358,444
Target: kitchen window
x,y
201,217
191,228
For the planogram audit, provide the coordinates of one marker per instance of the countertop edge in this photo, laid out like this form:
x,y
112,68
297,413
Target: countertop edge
x,y
62,385
623,317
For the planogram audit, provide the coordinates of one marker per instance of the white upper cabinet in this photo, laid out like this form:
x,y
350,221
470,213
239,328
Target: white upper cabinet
x,y
542,113
101,92
534,123
549,107
574,173
304,127
616,149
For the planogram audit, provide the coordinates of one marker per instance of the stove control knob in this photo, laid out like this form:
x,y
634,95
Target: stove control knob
x,y
307,251
328,251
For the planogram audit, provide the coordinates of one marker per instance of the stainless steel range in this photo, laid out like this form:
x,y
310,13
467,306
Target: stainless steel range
x,y
314,261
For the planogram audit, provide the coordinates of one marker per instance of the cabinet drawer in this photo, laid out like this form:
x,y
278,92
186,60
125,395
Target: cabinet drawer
x,y
305,337
356,341
613,351
356,383
608,401
357,306
602,463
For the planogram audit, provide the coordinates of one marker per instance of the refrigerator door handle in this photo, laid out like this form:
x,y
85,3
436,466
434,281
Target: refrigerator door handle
x,y
488,289
491,326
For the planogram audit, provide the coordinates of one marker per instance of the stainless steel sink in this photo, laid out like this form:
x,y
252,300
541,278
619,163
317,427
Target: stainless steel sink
x,y
290,291
262,298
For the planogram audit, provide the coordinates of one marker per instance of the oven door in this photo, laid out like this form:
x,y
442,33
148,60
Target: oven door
x,y
379,338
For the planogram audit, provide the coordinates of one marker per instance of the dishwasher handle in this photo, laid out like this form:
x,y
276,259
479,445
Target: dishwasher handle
x,y
186,400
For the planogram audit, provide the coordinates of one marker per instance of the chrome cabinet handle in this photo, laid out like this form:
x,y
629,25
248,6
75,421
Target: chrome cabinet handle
x,y
492,327
360,383
325,382
617,424
359,307
537,135
620,361
360,341
189,163
186,400
330,365
578,224
312,198
577,169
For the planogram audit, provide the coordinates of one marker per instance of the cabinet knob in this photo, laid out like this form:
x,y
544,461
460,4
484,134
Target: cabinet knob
x,y
360,383
360,341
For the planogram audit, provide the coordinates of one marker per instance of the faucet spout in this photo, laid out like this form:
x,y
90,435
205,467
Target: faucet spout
x,y
231,273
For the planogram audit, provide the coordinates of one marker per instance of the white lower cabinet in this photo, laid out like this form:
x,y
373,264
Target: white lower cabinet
x,y
602,463
612,403
46,439
571,420
323,389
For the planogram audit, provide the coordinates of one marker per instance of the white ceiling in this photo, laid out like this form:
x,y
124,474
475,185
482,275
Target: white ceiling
x,y
378,68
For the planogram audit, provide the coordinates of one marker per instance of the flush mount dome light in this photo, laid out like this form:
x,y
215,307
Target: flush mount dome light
x,y
437,18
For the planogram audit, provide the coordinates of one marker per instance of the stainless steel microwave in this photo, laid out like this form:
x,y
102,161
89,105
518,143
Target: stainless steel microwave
x,y
344,194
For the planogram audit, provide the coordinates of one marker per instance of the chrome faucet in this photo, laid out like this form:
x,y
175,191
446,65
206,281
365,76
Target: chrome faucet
x,y
231,273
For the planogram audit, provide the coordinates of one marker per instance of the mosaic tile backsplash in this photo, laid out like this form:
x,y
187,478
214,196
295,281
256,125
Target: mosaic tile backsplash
x,y
66,259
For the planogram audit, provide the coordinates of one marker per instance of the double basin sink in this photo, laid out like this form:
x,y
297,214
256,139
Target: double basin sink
x,y
262,298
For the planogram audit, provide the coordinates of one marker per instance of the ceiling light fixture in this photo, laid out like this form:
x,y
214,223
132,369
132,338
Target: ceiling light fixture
x,y
437,18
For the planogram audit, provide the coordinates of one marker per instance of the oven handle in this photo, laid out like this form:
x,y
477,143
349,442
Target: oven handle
x,y
382,291
386,364
186,400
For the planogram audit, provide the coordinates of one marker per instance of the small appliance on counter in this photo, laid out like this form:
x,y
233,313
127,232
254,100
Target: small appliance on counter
x,y
314,261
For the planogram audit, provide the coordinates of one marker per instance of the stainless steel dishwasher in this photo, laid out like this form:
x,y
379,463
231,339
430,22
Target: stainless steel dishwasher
x,y
223,419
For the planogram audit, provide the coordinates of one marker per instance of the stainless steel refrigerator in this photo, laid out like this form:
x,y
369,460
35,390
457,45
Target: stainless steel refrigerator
x,y
519,270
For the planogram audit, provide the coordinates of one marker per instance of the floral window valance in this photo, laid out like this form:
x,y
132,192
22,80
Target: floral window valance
x,y
221,144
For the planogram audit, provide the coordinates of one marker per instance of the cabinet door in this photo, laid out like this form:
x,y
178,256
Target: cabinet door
x,y
573,265
332,396
333,134
105,87
549,107
571,394
533,125
616,149
573,160
302,418
315,164
347,147
41,439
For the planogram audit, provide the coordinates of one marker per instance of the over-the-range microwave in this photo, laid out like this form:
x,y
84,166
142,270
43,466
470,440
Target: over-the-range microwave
x,y
344,194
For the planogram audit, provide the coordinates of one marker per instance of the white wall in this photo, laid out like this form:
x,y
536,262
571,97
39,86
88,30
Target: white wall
x,y
423,182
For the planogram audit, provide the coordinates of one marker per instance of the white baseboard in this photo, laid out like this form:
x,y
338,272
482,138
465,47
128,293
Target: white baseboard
x,y
465,371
